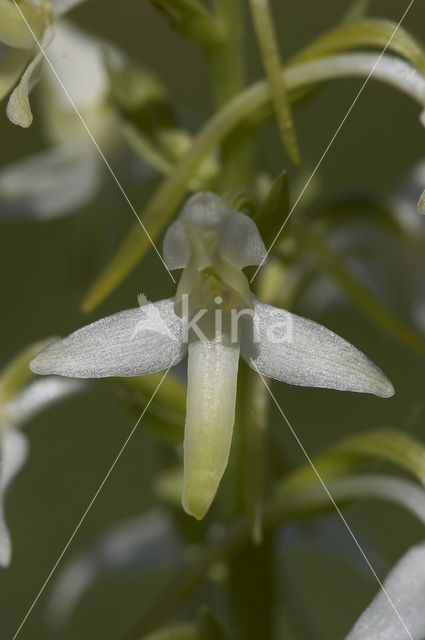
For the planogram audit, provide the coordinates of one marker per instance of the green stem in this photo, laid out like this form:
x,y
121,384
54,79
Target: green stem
x,y
227,62
171,191
228,80
254,444
267,40
288,504
252,590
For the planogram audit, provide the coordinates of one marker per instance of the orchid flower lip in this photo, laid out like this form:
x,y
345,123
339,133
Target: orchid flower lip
x,y
273,341
214,319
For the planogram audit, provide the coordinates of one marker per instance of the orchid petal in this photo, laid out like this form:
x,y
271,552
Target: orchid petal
x,y
51,183
77,59
146,544
14,452
19,108
210,415
129,343
37,396
12,64
404,587
281,345
13,29
238,237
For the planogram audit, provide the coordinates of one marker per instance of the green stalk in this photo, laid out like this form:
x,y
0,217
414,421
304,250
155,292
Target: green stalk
x,y
266,35
289,503
254,443
168,196
228,80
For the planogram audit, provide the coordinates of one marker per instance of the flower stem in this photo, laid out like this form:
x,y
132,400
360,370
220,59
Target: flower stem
x,y
228,80
266,35
243,106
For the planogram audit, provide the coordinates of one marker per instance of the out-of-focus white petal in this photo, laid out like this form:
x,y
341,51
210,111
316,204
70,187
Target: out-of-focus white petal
x,y
405,586
292,349
211,397
12,64
14,31
13,453
78,61
19,108
144,544
238,237
51,183
129,343
38,395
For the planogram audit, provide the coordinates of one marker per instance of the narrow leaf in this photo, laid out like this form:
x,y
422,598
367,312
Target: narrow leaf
x,y
291,500
365,33
263,23
359,294
247,104
386,444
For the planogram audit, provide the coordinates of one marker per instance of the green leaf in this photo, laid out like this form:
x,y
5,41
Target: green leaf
x,y
170,193
328,260
192,20
17,372
365,33
299,496
384,444
266,36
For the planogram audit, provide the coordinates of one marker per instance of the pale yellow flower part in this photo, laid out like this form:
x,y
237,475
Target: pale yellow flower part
x,y
213,319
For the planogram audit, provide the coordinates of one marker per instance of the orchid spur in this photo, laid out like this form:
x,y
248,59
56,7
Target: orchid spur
x,y
214,318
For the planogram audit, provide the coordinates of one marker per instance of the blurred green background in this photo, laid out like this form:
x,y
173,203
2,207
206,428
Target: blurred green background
x,y
46,268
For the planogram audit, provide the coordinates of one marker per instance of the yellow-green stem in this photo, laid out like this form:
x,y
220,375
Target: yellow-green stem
x,y
266,35
228,80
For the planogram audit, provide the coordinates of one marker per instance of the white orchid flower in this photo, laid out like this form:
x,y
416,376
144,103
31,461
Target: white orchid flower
x,y
405,617
14,412
24,25
65,176
214,318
